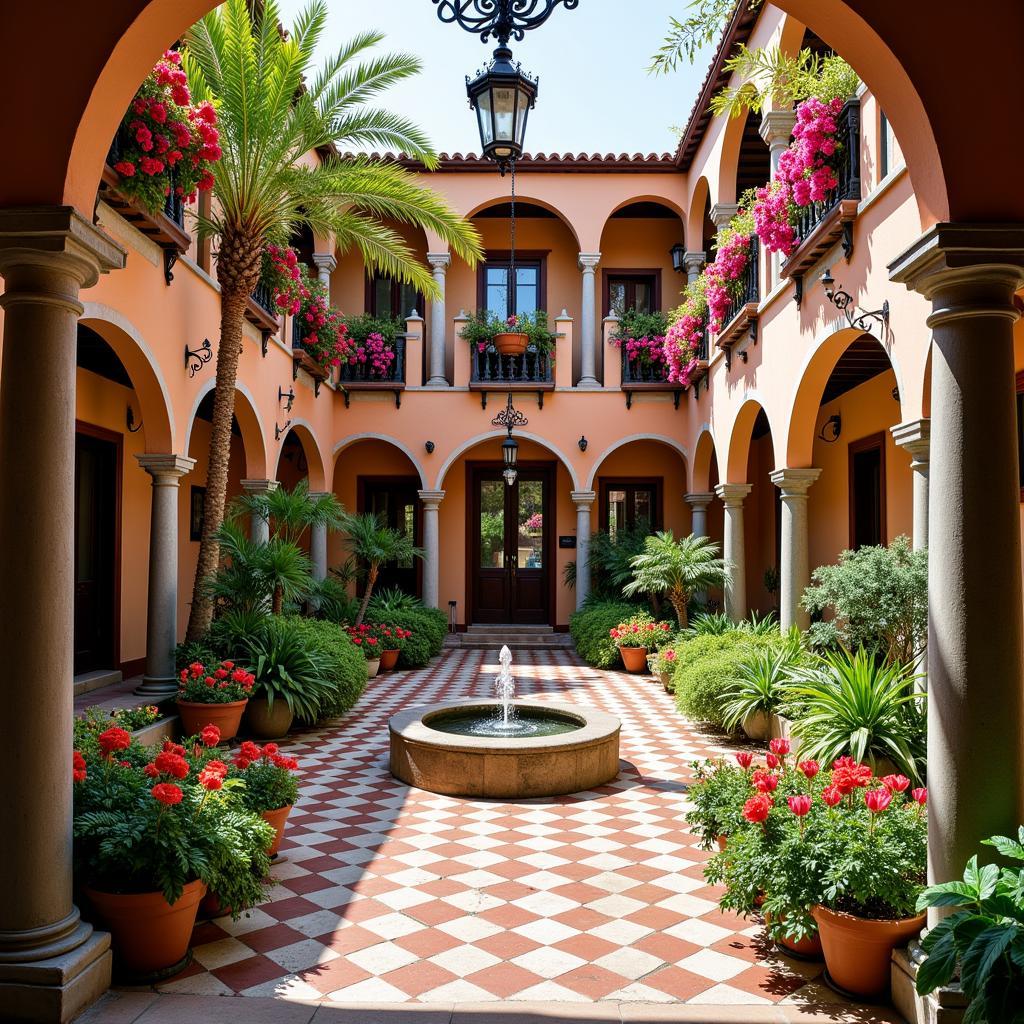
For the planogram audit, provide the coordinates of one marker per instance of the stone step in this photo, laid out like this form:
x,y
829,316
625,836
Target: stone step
x,y
512,645
517,630
86,682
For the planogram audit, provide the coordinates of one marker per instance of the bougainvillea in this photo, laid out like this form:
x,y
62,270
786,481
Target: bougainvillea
x,y
164,142
323,332
685,333
724,274
283,275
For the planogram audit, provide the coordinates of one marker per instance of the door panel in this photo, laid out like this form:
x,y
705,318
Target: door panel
x,y
492,598
396,502
529,576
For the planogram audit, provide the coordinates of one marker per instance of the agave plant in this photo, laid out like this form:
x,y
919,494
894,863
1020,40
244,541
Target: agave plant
x,y
760,625
761,686
709,624
859,705
391,600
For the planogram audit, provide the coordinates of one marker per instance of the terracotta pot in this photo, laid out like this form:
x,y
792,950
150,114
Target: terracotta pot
x,y
510,343
227,717
276,819
372,667
756,725
665,678
857,951
148,934
802,949
211,906
266,723
388,660
721,842
634,658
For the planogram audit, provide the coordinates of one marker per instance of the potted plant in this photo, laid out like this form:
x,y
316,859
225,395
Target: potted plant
x,y
270,787
662,665
636,636
755,701
367,636
717,795
151,833
392,640
213,698
513,337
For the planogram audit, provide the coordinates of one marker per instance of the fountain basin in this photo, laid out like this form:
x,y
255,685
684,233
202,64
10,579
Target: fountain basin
x,y
504,767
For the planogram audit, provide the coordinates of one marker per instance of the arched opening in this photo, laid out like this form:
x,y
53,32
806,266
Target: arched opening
x,y
299,459
746,161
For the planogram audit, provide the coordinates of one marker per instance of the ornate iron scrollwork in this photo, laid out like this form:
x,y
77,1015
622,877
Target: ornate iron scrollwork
x,y
196,359
500,19
509,417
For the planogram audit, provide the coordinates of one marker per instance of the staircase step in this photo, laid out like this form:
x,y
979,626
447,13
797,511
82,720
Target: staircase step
x,y
475,644
86,682
509,630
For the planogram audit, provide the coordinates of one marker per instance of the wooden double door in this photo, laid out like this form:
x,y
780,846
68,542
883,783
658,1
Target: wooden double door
x,y
511,531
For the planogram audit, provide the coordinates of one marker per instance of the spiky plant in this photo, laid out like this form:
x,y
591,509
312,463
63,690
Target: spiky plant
x,y
274,109
289,513
374,543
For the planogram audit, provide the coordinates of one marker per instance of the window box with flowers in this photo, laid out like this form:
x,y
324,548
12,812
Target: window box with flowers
x,y
375,357
152,832
216,697
686,338
637,636
645,362
498,364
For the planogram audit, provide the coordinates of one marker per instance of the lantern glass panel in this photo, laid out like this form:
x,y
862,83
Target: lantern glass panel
x,y
483,113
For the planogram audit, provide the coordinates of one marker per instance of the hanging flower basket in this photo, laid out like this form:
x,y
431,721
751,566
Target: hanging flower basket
x,y
511,343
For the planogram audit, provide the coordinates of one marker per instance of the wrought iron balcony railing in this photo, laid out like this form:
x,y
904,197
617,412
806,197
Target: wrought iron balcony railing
x,y
634,371
359,374
749,289
532,371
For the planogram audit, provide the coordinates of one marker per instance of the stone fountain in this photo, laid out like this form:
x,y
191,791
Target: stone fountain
x,y
504,748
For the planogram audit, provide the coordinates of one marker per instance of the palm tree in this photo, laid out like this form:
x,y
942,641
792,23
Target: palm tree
x,y
274,108
290,513
374,544
676,568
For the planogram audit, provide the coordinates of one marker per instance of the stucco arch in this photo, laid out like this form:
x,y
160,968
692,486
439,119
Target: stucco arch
x,y
250,425
147,378
543,203
705,452
669,442
729,158
811,379
317,472
543,442
740,438
695,220
394,442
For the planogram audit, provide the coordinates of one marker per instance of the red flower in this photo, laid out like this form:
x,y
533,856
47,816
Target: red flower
x,y
877,800
850,775
125,168
809,768
896,783
210,735
249,750
780,746
270,749
171,764
151,770
919,796
772,761
212,775
799,804
744,759
196,669
765,782
757,808
831,795
167,793
285,762
78,771
113,739
173,748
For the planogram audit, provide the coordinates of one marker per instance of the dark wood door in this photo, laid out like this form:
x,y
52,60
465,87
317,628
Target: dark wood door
x,y
97,473
395,500
511,532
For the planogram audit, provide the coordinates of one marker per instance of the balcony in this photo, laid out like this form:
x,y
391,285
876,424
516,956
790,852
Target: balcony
x,y
532,371
260,312
166,227
301,359
636,376
700,372
359,376
741,318
824,223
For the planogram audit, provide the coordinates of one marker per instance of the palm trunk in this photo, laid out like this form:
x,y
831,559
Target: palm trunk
x,y
277,605
371,579
238,268
679,604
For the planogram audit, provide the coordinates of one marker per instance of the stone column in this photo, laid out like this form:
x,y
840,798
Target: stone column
x,y
588,262
318,543
794,573
159,679
698,502
732,496
584,501
52,964
975,665
432,546
722,213
776,130
915,437
439,262
259,528
325,266
694,263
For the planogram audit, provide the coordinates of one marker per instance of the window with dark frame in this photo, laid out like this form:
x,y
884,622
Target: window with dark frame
x,y
867,491
627,504
387,297
883,146
625,290
496,292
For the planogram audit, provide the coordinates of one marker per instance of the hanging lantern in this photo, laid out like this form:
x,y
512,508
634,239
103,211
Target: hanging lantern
x,y
510,456
502,95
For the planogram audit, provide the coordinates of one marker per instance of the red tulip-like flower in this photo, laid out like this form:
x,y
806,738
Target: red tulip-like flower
x,y
849,777
772,761
809,768
919,796
765,782
799,804
270,749
757,808
831,795
113,739
171,764
78,772
780,746
877,800
151,770
288,763
896,783
744,759
210,735
250,751
166,793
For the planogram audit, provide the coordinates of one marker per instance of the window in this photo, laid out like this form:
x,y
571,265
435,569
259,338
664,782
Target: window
x,y
629,504
889,155
639,290
495,290
867,491
387,297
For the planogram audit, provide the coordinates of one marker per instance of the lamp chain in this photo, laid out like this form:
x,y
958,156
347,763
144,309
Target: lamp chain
x,y
512,252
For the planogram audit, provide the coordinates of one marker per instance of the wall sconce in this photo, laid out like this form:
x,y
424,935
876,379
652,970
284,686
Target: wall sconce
x,y
678,253
279,432
832,426
430,447
286,396
196,359
129,420
583,442
843,301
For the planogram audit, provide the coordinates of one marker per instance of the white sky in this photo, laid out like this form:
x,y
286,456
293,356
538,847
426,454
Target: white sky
x,y
595,92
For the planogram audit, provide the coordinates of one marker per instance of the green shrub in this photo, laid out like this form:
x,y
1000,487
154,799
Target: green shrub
x,y
345,665
590,629
429,627
708,667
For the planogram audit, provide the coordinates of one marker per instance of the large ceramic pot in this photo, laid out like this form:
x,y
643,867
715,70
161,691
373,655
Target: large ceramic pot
x,y
858,951
388,660
756,725
634,658
372,667
276,819
227,717
721,842
510,343
147,933
266,723
802,949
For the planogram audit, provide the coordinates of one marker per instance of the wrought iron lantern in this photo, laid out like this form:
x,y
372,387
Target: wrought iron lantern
x,y
502,95
855,316
678,253
508,418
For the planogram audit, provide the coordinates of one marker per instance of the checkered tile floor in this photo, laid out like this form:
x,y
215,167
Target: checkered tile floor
x,y
390,894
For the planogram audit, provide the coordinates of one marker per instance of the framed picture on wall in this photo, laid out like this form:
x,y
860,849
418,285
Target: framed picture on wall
x,y
197,503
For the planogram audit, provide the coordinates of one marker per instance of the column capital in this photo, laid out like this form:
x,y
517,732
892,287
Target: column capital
x,y
56,238
325,261
777,127
431,499
699,499
440,261
914,436
794,482
319,494
732,495
588,261
260,486
166,467
694,261
583,499
722,213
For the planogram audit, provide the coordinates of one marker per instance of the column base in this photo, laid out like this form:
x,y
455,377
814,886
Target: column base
x,y
56,990
588,383
157,686
943,1006
437,382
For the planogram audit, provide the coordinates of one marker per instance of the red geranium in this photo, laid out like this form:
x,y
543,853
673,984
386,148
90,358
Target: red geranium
x,y
113,739
198,686
210,735
765,782
166,793
757,808
171,764
78,772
